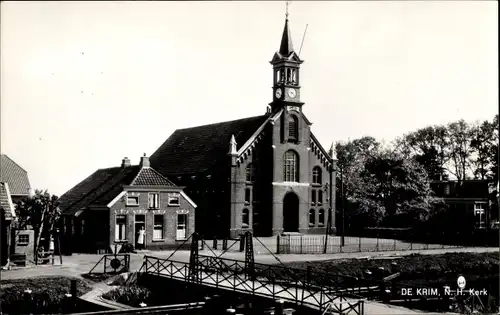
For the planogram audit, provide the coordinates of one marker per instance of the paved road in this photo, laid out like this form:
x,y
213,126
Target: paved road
x,y
75,265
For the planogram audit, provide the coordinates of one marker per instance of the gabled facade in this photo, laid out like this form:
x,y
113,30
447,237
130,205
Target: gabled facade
x,y
112,205
267,174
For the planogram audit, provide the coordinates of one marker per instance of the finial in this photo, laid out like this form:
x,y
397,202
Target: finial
x,y
332,152
232,146
144,154
286,12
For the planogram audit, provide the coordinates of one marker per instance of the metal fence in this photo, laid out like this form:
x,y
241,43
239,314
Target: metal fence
x,y
321,244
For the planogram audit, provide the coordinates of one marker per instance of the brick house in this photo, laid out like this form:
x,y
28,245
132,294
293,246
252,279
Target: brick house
x,y
14,187
267,174
112,204
468,200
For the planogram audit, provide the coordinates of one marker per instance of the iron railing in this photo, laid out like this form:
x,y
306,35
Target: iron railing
x,y
273,281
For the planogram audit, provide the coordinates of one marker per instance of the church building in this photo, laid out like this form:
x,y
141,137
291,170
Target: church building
x,y
267,174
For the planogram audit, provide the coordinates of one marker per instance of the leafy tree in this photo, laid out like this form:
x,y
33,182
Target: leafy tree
x,y
460,133
430,146
484,143
40,211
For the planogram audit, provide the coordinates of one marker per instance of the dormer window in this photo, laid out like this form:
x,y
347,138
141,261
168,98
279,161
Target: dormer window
x,y
293,126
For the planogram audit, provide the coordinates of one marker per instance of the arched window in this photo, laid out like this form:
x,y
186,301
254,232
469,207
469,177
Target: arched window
x,y
312,217
317,175
250,172
291,167
293,128
321,217
248,193
245,218
320,197
313,197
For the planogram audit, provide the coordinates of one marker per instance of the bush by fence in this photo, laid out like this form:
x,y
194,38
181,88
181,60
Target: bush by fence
x,y
428,235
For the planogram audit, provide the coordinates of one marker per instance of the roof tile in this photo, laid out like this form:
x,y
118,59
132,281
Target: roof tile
x,y
14,175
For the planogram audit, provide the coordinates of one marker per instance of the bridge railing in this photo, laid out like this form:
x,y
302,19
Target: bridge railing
x,y
277,282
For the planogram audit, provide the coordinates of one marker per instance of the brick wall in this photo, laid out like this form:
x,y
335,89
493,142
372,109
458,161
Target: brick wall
x,y
170,217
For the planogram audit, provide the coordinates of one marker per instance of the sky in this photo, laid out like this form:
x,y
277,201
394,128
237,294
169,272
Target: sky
x,y
84,84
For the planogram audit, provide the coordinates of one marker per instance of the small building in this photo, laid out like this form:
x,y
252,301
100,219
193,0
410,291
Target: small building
x,y
14,187
113,204
467,200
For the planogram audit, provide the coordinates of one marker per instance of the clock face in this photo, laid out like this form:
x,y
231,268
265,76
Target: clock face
x,y
292,93
278,93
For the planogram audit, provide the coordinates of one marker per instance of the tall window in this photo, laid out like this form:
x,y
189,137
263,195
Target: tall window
x,y
320,197
317,175
293,126
290,167
321,217
132,201
158,227
312,217
313,197
181,226
121,228
250,172
245,218
247,196
154,200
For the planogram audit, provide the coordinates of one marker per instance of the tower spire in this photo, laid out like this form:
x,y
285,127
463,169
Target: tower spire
x,y
286,47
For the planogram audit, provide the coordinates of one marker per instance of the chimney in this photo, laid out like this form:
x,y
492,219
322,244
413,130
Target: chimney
x,y
144,161
125,162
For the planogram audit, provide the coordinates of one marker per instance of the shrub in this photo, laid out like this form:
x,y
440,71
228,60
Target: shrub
x,y
47,292
128,295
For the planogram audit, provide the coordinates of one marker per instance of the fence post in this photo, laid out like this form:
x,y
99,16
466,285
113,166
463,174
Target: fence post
x,y
359,243
289,244
277,243
224,244
280,306
377,248
73,294
215,243
28,301
394,244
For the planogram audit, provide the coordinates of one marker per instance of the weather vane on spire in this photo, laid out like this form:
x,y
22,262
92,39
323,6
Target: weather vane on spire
x,y
286,12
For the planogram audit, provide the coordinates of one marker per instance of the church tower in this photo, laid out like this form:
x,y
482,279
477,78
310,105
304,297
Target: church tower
x,y
286,78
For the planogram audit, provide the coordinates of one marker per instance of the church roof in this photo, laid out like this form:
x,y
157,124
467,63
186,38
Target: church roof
x,y
198,149
15,176
100,188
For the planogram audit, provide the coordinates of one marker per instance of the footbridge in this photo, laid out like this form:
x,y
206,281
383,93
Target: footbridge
x,y
324,292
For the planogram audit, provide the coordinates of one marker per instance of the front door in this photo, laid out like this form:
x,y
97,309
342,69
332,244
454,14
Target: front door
x,y
140,224
291,213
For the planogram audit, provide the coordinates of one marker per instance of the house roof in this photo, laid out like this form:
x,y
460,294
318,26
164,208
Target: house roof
x,y
198,149
15,176
6,204
100,188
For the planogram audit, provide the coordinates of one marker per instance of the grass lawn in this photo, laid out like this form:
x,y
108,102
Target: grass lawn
x,y
47,292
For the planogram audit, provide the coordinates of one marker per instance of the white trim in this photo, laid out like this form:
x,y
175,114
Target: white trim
x,y
256,133
290,184
183,194
112,202
9,200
